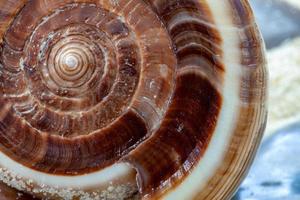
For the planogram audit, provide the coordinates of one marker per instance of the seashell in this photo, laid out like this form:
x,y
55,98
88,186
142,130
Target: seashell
x,y
107,99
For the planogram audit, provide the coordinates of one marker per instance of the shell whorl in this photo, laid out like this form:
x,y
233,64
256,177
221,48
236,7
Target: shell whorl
x,y
97,92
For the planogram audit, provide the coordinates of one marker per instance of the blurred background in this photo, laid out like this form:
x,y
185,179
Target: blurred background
x,y
275,174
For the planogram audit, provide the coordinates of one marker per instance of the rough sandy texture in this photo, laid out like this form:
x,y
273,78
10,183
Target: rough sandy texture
x,y
110,193
284,69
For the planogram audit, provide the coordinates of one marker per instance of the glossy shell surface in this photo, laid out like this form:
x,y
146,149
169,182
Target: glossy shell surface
x,y
109,99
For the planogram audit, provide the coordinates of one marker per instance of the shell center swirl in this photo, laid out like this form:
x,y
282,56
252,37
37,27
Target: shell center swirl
x,y
72,62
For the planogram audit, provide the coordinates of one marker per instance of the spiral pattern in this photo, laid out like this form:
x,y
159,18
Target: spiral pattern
x,y
83,69
86,84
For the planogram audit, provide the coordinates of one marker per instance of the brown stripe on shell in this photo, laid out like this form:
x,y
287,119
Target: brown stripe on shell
x,y
252,118
165,157
167,151
94,152
251,42
26,20
196,41
158,60
8,10
57,155
10,59
192,30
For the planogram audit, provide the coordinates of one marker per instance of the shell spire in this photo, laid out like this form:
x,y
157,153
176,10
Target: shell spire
x,y
111,99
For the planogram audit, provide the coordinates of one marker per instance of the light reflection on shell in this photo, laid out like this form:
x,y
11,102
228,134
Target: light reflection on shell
x,y
106,99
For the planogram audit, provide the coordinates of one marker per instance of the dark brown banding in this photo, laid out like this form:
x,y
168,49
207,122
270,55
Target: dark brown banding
x,y
191,116
26,20
186,128
251,121
250,41
55,155
8,10
10,59
88,154
192,30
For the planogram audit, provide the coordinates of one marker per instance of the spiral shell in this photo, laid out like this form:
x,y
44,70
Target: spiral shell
x,y
106,99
